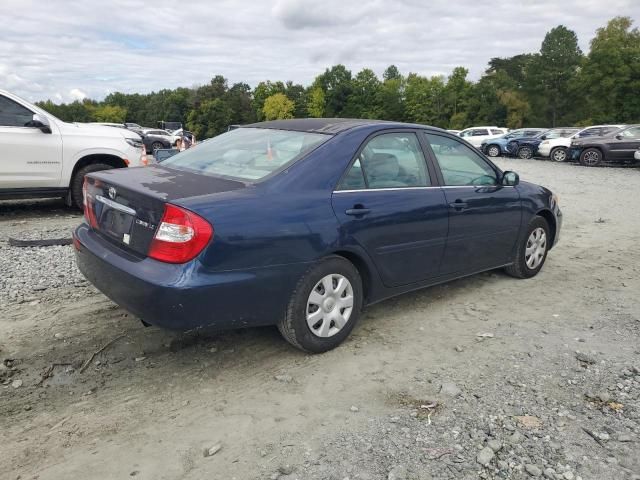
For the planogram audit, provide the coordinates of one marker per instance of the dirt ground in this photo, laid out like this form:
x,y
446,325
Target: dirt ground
x,y
546,368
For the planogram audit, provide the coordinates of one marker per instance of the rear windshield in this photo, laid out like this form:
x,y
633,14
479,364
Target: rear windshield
x,y
246,153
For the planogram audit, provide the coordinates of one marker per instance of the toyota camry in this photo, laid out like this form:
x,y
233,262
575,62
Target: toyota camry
x,y
302,223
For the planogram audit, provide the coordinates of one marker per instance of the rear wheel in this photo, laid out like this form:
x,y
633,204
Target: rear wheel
x,y
531,252
493,150
525,152
78,180
558,154
324,307
591,157
156,146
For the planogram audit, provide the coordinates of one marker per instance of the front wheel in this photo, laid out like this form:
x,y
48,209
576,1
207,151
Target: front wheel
x,y
156,146
525,153
558,154
78,180
591,157
324,307
493,150
531,252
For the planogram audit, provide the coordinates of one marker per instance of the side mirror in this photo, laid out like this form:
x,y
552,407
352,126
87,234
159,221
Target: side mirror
x,y
510,179
543,137
41,122
619,136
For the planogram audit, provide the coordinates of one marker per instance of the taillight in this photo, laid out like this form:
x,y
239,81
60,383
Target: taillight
x,y
89,213
180,237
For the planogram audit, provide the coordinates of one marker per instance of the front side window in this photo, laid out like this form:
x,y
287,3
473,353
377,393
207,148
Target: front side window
x,y
12,114
459,164
633,132
390,160
247,153
478,132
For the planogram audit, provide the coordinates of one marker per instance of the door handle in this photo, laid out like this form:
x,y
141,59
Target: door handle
x,y
357,211
459,205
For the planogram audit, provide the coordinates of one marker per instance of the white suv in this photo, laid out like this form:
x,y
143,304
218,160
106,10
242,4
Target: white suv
x,y
556,148
42,156
476,135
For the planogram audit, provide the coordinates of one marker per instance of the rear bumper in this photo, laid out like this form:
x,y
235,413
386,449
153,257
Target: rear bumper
x,y
185,296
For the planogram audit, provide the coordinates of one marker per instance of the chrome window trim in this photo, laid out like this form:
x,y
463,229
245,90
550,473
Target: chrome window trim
x,y
116,205
418,188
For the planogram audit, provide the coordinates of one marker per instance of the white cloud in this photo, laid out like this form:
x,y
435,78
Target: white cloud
x,y
94,47
77,94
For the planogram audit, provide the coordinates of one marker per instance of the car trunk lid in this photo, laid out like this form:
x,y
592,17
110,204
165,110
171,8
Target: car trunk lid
x,y
125,206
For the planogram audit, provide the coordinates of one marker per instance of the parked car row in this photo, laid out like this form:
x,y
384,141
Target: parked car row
x,y
591,146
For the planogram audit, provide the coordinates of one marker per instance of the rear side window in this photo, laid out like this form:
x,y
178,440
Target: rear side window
x,y
496,132
391,160
478,132
246,153
459,164
13,114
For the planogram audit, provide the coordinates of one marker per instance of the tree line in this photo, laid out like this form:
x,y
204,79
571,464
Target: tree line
x,y
557,86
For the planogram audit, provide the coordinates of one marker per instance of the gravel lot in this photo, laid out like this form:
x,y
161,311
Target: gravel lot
x,y
487,377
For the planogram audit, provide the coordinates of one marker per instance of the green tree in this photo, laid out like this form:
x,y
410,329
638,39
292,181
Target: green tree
x,y
316,103
336,84
551,73
457,92
209,118
109,113
278,107
609,80
364,100
391,73
425,100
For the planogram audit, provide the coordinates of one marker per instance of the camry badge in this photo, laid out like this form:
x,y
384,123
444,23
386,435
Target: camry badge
x,y
112,193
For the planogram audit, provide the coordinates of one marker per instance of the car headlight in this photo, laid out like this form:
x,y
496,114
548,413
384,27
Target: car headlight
x,y
134,142
555,200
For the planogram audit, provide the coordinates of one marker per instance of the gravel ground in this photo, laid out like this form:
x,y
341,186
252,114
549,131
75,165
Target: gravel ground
x,y
486,377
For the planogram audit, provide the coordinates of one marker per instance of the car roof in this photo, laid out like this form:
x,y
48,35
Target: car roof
x,y
331,126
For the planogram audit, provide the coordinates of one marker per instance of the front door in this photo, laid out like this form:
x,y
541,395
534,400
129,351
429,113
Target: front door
x,y
29,158
484,216
386,203
623,148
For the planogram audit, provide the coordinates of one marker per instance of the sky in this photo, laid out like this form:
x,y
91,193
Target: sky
x,y
63,50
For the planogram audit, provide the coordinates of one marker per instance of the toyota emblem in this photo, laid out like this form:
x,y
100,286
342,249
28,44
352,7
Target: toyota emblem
x,y
112,193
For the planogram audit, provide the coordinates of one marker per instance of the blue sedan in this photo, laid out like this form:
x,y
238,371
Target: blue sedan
x,y
302,223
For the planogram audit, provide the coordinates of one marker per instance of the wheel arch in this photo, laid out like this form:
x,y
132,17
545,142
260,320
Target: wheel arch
x,y
105,158
365,269
551,220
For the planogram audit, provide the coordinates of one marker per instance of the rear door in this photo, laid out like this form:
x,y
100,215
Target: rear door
x,y
388,203
484,216
30,158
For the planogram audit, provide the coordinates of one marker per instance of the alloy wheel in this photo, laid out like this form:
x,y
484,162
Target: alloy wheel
x,y
536,248
591,158
330,305
525,153
493,151
559,155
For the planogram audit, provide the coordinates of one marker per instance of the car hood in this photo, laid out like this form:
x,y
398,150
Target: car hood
x,y
97,130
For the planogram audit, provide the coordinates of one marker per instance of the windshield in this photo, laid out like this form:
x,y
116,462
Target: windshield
x,y
246,153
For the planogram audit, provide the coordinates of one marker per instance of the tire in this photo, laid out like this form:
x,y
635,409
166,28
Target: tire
x,y
522,266
78,180
493,151
591,157
326,333
558,154
525,153
156,146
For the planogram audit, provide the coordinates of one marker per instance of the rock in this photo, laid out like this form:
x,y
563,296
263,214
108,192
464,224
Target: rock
x,y
354,408
16,383
567,475
211,451
516,437
494,445
533,470
285,469
140,359
549,473
398,472
450,389
484,335
58,336
604,396
585,358
529,421
485,456
502,465
459,348
284,378
623,437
